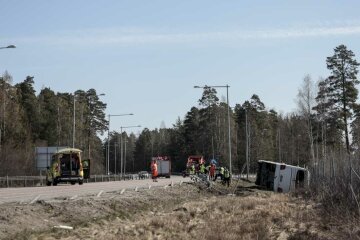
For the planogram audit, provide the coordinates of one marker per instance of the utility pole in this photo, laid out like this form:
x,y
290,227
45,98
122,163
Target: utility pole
x,y
125,156
115,157
247,145
108,149
121,148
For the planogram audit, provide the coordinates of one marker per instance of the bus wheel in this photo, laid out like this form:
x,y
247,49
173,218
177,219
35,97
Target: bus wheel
x,y
54,182
81,182
72,183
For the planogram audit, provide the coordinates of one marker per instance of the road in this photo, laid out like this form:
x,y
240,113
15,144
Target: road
x,y
32,194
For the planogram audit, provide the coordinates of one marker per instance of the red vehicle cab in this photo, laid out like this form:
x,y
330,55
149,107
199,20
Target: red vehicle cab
x,y
195,160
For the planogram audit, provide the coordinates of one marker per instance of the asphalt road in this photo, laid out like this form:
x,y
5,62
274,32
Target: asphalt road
x,y
32,194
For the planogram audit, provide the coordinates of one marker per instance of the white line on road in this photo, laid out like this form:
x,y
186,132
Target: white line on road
x,y
64,227
35,199
122,191
73,197
99,194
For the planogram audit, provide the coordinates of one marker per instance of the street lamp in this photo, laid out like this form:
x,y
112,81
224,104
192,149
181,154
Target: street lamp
x,y
108,148
73,142
122,165
227,100
10,46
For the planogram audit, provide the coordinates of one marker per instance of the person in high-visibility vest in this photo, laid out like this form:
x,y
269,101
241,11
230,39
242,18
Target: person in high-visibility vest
x,y
202,169
154,171
192,169
227,177
222,173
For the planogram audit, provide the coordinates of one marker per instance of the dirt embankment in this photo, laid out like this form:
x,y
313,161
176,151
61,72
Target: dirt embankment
x,y
180,212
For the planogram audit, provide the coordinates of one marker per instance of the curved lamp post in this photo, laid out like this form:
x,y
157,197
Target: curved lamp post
x,y
122,163
108,148
227,100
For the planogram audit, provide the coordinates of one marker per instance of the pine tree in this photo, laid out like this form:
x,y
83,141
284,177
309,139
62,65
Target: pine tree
x,y
342,86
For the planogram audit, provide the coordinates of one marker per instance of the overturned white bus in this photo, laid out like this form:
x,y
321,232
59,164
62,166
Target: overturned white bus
x,y
281,177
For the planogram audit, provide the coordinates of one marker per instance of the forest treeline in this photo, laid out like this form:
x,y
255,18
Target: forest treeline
x,y
323,134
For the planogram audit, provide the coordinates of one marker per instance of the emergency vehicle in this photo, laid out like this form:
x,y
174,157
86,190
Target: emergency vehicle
x,y
67,166
163,166
193,160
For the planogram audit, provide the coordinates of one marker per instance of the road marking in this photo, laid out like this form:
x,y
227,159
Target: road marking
x,y
35,199
122,191
64,227
149,186
172,183
165,186
99,194
136,189
181,182
73,197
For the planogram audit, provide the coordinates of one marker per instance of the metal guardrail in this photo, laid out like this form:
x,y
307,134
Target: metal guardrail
x,y
38,181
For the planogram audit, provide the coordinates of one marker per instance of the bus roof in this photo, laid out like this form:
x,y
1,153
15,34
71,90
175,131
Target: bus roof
x,y
68,151
277,163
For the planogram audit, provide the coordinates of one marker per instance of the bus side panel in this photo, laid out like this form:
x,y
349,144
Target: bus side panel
x,y
285,180
293,179
276,178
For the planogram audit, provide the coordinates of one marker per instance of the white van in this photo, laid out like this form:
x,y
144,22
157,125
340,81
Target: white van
x,y
281,177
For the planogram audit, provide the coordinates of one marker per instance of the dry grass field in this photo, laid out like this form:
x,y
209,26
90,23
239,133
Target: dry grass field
x,y
180,212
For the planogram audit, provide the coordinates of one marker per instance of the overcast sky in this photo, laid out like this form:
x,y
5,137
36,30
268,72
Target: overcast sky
x,y
146,56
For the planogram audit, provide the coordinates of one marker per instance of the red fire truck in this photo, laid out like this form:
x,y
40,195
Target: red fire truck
x,y
164,166
195,160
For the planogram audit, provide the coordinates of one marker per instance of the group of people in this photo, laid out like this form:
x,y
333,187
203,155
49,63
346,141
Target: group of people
x,y
224,173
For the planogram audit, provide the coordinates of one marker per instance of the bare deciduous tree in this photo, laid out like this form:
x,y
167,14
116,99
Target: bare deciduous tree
x,y
306,101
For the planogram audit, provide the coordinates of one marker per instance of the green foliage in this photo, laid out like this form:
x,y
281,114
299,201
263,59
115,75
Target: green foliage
x,y
29,103
338,94
49,113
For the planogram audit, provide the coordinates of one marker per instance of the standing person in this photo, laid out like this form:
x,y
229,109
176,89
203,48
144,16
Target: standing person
x,y
154,171
222,173
192,169
202,168
212,172
227,177
207,169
